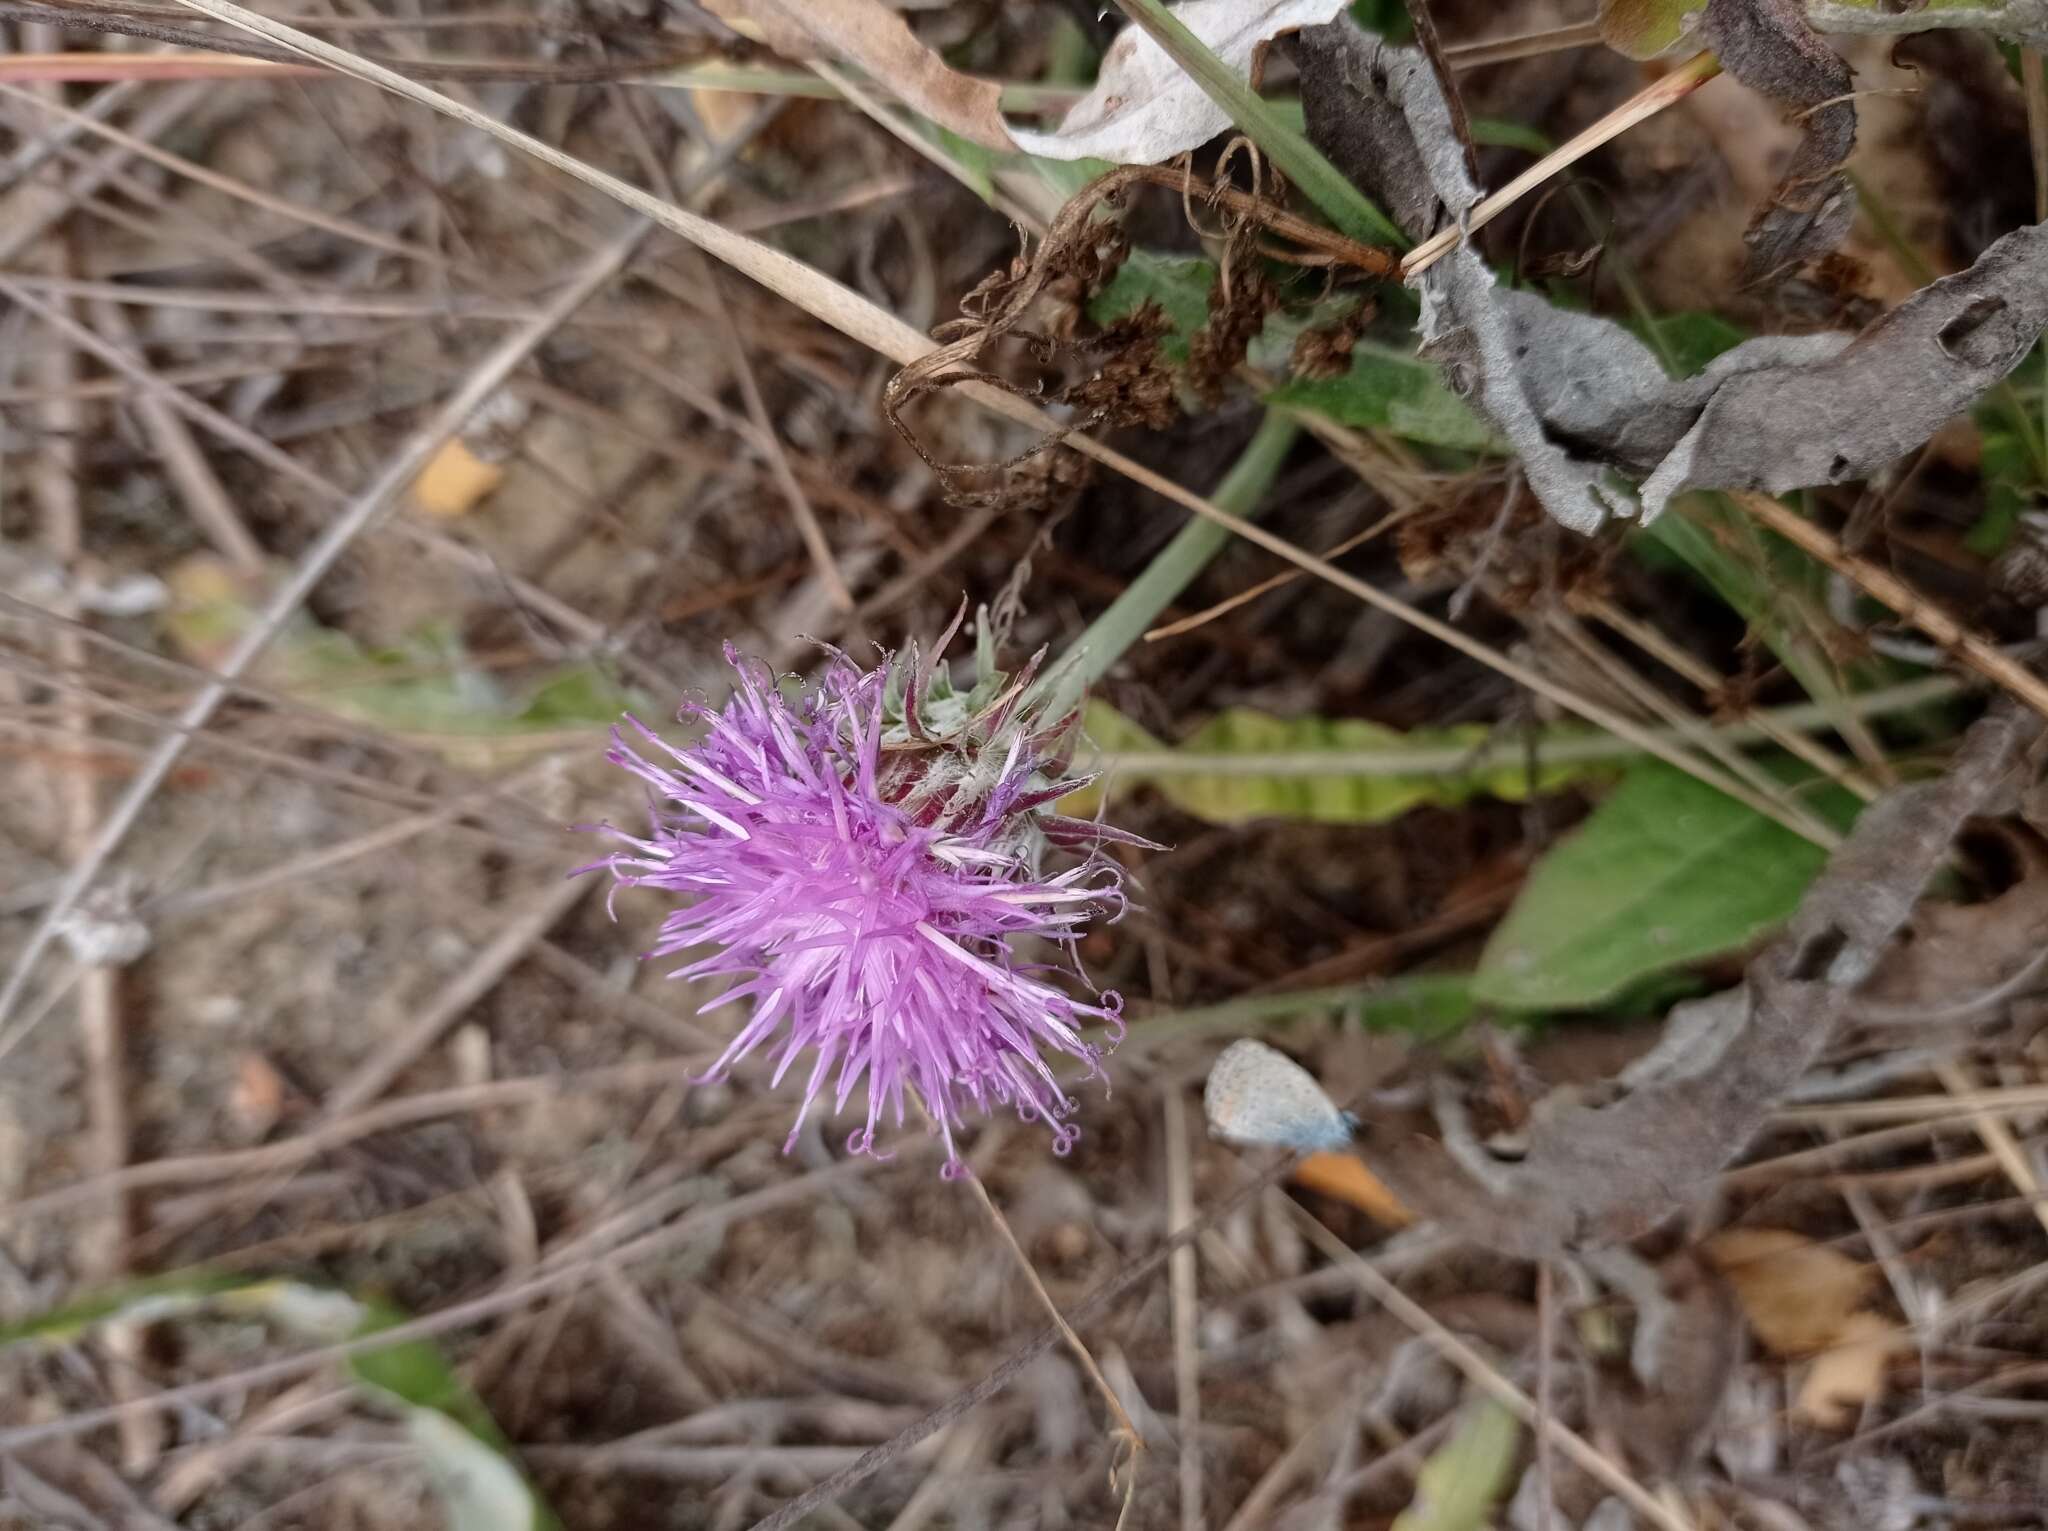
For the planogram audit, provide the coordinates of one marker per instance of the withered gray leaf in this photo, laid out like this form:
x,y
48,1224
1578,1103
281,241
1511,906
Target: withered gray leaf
x,y
1380,116
1769,46
1585,404
2021,20
1850,406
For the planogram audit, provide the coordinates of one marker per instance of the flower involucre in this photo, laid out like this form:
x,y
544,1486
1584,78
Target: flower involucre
x,y
865,858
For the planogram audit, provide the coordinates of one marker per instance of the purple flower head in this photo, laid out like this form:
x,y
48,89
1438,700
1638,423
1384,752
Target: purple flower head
x,y
864,857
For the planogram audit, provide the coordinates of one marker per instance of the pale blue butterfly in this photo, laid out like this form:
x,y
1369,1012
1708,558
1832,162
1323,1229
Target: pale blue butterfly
x,y
1261,1097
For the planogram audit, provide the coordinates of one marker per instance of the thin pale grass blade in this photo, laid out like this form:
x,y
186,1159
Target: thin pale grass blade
x,y
111,68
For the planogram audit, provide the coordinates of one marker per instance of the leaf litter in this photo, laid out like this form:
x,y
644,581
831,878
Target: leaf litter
x,y
1079,1228
1584,404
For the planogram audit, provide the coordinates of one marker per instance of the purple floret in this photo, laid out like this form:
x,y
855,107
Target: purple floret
x,y
870,896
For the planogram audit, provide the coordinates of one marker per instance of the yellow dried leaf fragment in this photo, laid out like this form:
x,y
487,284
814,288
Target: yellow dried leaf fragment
x,y
1798,1295
455,482
1806,1299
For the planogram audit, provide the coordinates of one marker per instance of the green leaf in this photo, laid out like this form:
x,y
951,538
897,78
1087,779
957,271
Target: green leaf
x,y
1426,1005
1464,1478
1498,133
1394,391
1385,18
1665,872
1644,28
1691,340
977,165
1179,285
1429,1006
1244,765
140,1301
2010,488
428,684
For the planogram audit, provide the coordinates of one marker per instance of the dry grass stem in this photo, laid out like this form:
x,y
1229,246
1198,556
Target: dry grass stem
x,y
1973,650
1645,104
1485,1376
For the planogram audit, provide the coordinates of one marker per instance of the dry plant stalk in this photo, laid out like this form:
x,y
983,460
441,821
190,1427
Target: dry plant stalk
x,y
1974,650
1132,386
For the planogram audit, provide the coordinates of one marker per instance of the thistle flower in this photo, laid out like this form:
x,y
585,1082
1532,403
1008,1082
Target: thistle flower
x,y
865,858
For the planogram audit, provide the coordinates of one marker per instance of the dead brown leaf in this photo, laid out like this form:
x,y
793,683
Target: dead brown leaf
x,y
1771,47
1848,1375
1806,1299
1799,1296
879,41
1594,1174
455,481
1960,951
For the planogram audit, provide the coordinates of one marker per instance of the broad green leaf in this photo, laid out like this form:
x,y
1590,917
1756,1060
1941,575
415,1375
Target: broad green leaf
x,y
1245,765
1464,1478
466,1454
1665,872
1179,285
1394,391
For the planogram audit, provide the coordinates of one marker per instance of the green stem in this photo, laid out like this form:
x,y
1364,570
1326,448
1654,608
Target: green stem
x,y
1300,161
1176,564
